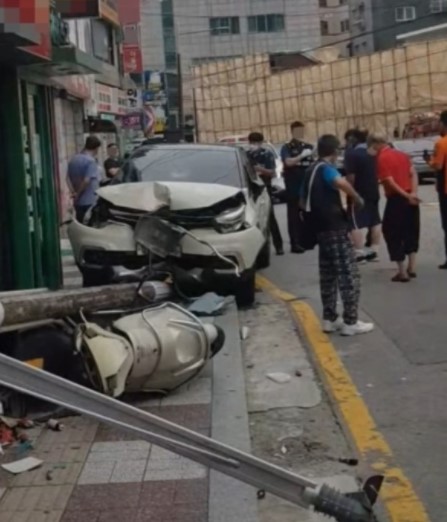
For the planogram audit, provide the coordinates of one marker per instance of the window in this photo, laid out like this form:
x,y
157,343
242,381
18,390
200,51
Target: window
x,y
344,26
405,14
271,23
103,41
324,28
323,3
438,6
224,25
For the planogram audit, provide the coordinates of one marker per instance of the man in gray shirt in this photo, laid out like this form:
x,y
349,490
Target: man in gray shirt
x,y
84,177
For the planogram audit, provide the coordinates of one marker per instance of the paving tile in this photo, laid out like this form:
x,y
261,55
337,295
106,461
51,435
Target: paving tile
x,y
195,392
176,513
128,471
191,491
132,445
32,516
37,498
111,496
118,455
76,430
118,515
160,492
97,472
50,452
81,516
50,474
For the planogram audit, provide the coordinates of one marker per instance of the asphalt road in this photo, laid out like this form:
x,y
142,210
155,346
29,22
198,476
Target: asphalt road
x,y
401,368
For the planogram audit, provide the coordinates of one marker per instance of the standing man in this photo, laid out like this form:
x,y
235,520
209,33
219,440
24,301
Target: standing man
x,y
263,162
401,220
337,264
112,164
83,177
297,157
439,163
361,172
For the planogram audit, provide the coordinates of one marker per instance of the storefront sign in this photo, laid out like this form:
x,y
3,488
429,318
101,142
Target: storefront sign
x,y
78,86
104,96
132,120
132,58
105,9
36,12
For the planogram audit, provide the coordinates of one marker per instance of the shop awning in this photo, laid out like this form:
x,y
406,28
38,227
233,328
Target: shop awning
x,y
68,61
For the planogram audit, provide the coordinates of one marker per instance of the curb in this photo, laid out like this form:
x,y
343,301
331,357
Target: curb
x,y
229,499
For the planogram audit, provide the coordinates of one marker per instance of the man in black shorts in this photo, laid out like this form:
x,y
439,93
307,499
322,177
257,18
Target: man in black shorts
x,y
361,172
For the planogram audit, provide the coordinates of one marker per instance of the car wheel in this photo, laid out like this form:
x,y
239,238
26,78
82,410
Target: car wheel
x,y
246,290
95,277
264,255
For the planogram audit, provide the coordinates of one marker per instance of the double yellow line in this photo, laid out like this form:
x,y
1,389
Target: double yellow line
x,y
398,494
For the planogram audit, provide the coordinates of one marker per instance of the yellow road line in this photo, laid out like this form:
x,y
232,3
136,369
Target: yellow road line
x,y
398,494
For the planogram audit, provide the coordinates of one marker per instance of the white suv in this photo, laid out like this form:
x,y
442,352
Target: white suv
x,y
209,191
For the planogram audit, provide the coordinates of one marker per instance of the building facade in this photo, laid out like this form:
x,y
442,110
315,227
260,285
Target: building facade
x,y
178,34
47,78
392,18
361,21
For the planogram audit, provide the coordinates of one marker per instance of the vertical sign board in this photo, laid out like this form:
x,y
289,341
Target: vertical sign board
x,y
130,18
37,13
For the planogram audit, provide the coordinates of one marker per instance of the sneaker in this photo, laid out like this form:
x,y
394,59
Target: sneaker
x,y
357,329
333,326
372,256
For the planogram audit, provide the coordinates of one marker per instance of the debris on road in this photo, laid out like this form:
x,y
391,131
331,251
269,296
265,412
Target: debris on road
x,y
54,425
20,466
245,332
279,377
208,305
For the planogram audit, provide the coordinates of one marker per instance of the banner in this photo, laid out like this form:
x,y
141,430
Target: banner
x,y
155,98
37,14
132,59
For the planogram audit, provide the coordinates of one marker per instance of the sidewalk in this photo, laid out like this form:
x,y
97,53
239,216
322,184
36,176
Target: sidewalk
x,y
95,473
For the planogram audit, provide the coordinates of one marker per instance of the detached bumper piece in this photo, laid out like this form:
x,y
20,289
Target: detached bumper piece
x,y
356,507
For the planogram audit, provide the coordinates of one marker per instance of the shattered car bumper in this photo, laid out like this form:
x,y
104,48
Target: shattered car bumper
x,y
114,245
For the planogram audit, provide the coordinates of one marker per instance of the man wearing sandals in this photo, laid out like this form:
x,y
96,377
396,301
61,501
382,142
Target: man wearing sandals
x,y
401,220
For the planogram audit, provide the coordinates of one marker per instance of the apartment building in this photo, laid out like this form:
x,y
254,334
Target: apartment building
x,y
392,18
335,25
361,22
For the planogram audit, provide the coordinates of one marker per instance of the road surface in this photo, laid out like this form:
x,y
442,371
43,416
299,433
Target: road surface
x,y
400,370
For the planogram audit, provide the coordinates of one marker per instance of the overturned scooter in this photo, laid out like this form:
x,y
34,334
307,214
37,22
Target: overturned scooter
x,y
355,507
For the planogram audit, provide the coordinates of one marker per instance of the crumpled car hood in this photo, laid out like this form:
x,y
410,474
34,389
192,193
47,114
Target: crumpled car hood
x,y
152,196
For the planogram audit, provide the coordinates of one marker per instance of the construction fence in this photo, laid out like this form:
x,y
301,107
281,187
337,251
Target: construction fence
x,y
379,92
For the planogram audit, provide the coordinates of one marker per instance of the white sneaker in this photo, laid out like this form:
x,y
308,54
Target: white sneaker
x,y
333,326
357,329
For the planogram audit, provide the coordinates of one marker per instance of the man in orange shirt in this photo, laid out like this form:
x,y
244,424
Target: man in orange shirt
x,y
439,163
401,220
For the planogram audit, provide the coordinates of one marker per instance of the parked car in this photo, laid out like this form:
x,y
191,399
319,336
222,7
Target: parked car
x,y
415,149
210,190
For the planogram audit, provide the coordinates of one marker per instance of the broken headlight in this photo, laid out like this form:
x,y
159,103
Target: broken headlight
x,y
231,220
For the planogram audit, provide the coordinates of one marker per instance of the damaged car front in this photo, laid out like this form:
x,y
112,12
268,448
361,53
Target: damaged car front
x,y
222,231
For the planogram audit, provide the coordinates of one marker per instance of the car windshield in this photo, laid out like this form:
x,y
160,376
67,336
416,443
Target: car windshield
x,y
188,165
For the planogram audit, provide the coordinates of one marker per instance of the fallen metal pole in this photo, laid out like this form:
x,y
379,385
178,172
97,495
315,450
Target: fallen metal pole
x,y
247,468
28,308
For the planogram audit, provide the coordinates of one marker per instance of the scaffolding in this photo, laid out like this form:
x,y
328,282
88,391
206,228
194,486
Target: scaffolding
x,y
380,92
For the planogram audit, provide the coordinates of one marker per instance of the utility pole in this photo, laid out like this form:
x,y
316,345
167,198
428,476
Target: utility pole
x,y
181,115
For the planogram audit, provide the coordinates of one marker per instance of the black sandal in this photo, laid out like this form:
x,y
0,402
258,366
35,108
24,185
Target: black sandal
x,y
400,279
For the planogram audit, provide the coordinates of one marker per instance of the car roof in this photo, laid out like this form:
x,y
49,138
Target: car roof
x,y
188,147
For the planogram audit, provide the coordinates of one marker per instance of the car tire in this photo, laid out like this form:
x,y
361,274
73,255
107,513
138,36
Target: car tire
x,y
95,277
264,256
246,290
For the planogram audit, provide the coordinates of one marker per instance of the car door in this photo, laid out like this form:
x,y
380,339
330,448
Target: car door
x,y
258,198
